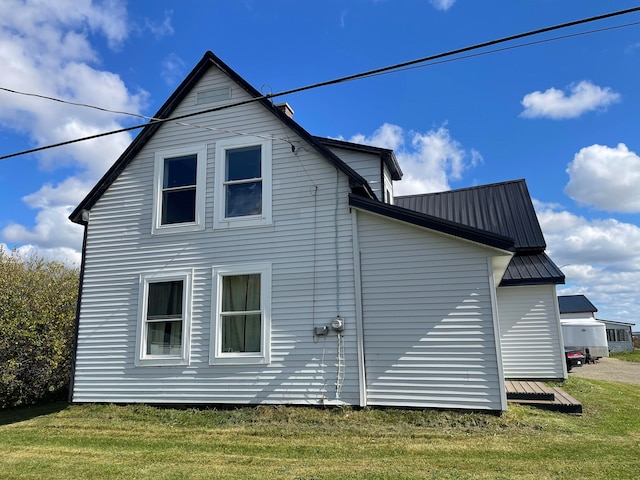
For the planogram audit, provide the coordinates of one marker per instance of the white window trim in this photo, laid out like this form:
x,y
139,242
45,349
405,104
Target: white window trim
x,y
219,218
216,356
158,173
142,358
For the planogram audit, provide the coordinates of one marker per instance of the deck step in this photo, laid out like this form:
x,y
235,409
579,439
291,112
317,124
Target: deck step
x,y
528,390
538,395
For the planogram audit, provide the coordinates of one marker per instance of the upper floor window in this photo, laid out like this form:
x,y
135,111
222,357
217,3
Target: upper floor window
x,y
164,319
179,192
243,182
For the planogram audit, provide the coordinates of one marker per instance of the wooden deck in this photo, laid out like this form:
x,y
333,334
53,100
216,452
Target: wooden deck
x,y
537,394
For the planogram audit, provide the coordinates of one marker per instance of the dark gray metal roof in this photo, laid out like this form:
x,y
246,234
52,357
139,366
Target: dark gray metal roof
x,y
504,208
532,270
434,223
575,304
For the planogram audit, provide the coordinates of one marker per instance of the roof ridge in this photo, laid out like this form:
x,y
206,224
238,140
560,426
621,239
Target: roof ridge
x,y
474,187
172,102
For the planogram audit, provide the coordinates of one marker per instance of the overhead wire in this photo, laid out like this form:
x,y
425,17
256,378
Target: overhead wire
x,y
370,73
138,115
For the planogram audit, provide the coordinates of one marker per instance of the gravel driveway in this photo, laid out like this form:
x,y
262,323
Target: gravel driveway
x,y
610,369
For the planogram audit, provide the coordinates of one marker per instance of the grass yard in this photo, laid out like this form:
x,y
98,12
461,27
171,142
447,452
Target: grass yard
x,y
628,356
135,442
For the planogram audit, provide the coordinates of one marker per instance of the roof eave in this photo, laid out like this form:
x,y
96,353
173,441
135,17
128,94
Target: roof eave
x,y
412,217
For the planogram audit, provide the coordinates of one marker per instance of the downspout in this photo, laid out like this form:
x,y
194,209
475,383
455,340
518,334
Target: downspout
x,y
85,220
496,333
357,275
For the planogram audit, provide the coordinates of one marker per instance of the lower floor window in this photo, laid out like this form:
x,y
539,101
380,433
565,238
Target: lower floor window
x,y
241,315
162,337
242,318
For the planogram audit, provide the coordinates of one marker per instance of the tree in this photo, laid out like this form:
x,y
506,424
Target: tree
x,y
37,317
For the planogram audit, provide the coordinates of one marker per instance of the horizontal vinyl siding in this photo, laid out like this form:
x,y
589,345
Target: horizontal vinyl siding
x,y
368,165
300,245
427,315
530,333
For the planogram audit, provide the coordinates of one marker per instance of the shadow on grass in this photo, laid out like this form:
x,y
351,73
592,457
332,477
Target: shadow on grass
x,y
21,414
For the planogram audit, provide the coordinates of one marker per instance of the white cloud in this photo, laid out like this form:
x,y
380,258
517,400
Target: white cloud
x,y
160,29
52,230
597,259
173,69
428,160
46,48
605,178
68,256
442,4
582,97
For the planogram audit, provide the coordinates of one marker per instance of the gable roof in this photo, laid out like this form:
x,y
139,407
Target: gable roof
x,y
433,223
575,304
386,154
356,181
503,208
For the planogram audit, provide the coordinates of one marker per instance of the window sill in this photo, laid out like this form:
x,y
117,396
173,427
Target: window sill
x,y
161,362
177,228
241,222
239,360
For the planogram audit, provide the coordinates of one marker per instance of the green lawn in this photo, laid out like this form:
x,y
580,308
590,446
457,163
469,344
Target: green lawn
x,y
106,441
628,356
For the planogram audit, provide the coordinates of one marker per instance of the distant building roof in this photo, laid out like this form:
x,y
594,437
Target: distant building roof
x,y
616,322
575,304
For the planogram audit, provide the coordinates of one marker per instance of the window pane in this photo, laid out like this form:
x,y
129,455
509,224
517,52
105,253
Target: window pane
x,y
243,163
164,338
241,333
165,299
179,206
179,171
241,293
244,199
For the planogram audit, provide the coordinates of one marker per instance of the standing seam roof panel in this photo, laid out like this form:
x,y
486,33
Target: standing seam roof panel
x,y
503,208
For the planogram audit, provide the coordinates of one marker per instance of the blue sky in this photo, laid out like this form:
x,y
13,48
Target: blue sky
x,y
563,114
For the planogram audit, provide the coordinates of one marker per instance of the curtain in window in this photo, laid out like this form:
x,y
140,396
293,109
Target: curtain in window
x,y
241,315
164,318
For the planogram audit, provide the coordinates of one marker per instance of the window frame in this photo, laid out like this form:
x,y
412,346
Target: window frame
x,y
220,220
200,151
144,359
263,357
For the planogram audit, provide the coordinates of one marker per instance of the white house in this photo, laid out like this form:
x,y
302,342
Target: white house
x,y
232,258
619,336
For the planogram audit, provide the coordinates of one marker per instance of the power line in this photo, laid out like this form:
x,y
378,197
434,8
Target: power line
x,y
370,73
463,57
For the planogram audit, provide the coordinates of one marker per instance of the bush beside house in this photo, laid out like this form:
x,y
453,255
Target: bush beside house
x,y
37,314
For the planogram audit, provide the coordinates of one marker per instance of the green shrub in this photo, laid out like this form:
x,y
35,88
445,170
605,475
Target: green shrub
x,y
37,313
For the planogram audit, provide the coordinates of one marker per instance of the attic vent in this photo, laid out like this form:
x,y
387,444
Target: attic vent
x,y
212,96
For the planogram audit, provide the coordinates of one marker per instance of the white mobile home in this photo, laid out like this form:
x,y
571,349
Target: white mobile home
x,y
580,329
